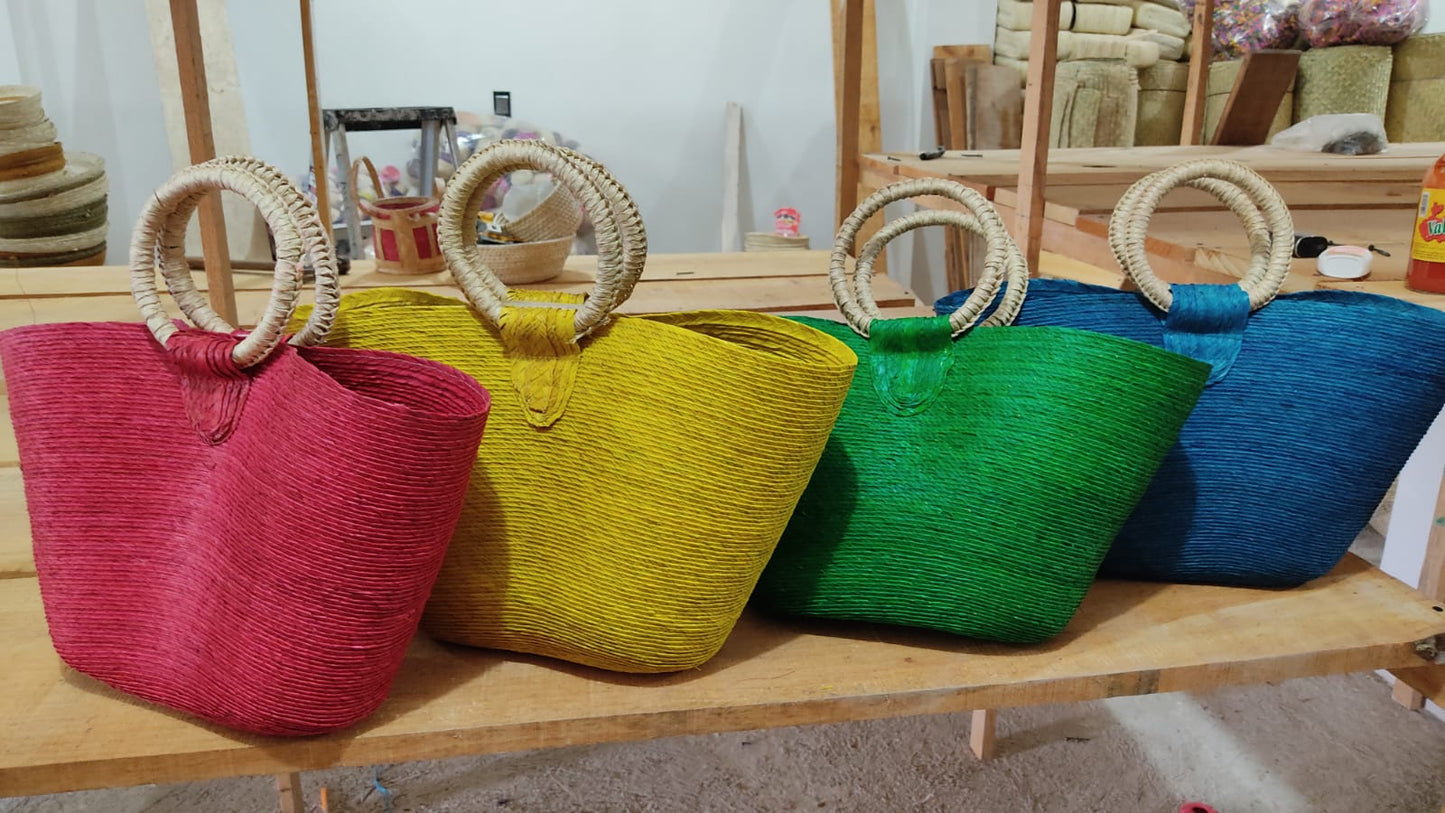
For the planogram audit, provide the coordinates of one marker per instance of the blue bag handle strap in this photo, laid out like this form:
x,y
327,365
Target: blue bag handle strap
x,y
1258,204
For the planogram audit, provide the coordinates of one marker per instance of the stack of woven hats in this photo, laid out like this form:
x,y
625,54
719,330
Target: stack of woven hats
x,y
52,203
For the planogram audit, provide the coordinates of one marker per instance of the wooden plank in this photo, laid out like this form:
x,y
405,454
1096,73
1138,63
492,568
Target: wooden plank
x,y
848,73
60,731
732,236
995,117
1263,80
288,787
195,99
1432,587
1201,49
982,733
1424,682
1101,198
313,115
938,75
953,78
973,53
1038,107
16,560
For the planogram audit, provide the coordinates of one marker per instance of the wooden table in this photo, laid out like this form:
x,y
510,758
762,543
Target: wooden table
x,y
1193,238
61,731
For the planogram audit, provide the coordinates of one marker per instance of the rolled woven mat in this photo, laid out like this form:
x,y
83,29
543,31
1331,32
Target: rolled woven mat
x,y
1096,19
1221,82
62,201
1419,57
38,134
1170,47
1164,20
1140,54
90,255
1415,110
1015,44
1162,90
80,168
1018,15
768,241
82,218
56,244
20,106
1343,79
1103,2
32,161
1096,46
1010,62
1096,104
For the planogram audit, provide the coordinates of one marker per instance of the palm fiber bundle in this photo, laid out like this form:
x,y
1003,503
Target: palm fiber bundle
x,y
1415,110
977,474
1315,401
638,469
229,525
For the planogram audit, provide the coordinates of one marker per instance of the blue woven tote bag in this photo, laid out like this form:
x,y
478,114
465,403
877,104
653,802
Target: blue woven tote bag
x,y
1315,401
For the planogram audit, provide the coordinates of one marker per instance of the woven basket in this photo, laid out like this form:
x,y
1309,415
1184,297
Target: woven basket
x,y
523,263
403,228
1416,107
976,475
259,524
1161,104
1096,104
81,169
27,161
1316,401
90,255
558,215
1343,79
638,470
80,219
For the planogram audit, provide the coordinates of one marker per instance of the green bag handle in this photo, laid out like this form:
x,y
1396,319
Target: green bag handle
x,y
1003,260
621,238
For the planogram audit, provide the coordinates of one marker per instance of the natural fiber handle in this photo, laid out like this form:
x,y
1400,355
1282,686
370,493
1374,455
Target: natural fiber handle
x,y
375,179
621,238
159,245
1258,204
1003,258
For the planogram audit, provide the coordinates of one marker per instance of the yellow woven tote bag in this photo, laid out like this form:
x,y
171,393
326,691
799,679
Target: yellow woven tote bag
x,y
638,470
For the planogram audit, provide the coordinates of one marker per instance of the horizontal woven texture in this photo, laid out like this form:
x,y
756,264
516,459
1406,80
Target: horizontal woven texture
x,y
81,168
1416,111
89,255
1343,79
82,218
629,534
988,514
523,263
1284,459
1419,57
253,546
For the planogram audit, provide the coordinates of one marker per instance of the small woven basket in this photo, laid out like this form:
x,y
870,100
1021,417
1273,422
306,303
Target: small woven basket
x,y
1315,401
263,578
558,215
523,263
403,228
1343,79
976,475
638,469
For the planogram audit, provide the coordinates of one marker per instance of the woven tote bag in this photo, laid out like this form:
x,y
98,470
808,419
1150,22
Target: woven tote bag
x,y
638,470
242,529
977,474
1315,399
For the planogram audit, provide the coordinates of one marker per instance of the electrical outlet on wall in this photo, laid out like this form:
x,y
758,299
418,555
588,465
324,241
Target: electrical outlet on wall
x,y
502,102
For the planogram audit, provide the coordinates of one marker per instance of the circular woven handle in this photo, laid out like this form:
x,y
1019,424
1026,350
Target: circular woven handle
x,y
1002,259
621,238
159,245
1265,216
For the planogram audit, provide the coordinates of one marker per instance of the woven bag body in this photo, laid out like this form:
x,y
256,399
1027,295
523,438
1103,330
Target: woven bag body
x,y
973,484
250,541
1317,400
638,471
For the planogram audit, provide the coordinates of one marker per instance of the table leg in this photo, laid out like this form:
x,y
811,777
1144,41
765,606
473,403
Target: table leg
x,y
454,147
348,195
981,733
430,136
1432,584
288,787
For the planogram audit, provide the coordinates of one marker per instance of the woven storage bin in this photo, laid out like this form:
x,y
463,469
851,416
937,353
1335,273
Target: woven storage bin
x,y
558,215
1096,104
1221,82
1416,107
523,263
1317,400
403,228
1161,104
1344,79
638,470
231,526
977,475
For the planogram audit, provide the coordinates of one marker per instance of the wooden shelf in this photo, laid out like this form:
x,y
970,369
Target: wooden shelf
x,y
61,731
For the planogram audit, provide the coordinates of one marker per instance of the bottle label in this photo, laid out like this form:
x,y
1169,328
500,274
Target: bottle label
x,y
1428,243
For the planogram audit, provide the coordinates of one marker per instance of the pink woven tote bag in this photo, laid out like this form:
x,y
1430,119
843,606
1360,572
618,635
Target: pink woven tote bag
x,y
231,525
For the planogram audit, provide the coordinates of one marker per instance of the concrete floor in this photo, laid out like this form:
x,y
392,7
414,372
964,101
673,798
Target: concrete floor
x,y
1323,744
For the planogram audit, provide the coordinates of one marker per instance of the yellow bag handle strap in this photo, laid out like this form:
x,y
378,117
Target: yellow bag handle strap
x,y
158,244
1003,259
621,238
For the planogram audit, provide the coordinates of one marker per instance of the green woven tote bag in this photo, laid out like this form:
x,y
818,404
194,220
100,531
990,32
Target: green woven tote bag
x,y
976,475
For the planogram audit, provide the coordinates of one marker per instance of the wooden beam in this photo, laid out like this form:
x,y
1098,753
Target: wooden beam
x,y
848,30
195,99
954,91
1038,110
313,113
288,787
1432,585
1263,80
1201,50
981,734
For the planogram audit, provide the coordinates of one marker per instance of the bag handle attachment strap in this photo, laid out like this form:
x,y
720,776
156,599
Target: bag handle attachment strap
x,y
1001,260
621,238
158,244
1258,204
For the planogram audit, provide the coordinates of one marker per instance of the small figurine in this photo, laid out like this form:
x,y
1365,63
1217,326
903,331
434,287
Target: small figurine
x,y
785,222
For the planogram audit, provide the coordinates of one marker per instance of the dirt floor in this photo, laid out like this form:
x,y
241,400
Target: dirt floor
x,y
1336,744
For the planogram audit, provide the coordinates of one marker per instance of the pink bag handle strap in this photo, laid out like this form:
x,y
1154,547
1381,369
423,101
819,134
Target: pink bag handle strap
x,y
158,244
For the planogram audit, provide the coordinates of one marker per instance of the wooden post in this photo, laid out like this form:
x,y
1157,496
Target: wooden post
x,y
1038,110
195,99
1264,79
288,786
313,112
981,734
1432,584
848,31
1201,49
